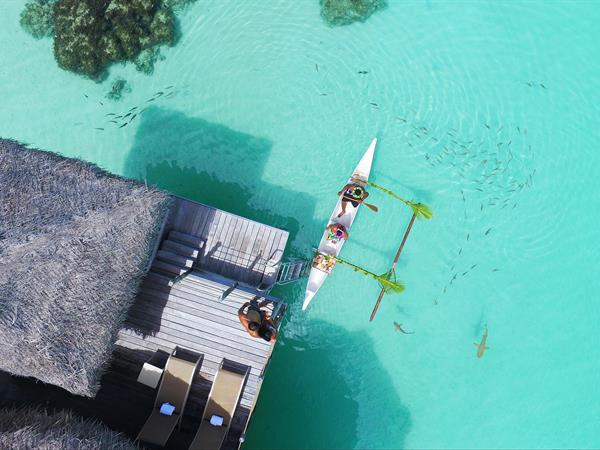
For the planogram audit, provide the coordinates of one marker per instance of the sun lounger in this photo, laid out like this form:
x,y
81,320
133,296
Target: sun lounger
x,y
170,400
223,398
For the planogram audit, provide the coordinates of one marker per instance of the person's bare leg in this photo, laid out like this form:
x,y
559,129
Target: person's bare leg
x,y
343,209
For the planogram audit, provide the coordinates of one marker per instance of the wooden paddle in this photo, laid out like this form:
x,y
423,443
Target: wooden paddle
x,y
412,220
368,205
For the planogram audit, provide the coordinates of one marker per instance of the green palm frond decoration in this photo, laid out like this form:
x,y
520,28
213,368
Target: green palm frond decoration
x,y
388,283
386,280
419,209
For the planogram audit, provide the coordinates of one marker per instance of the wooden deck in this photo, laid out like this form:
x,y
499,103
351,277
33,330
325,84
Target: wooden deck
x,y
232,246
214,249
189,315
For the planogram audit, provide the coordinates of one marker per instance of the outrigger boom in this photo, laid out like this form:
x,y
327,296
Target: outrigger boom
x,y
322,265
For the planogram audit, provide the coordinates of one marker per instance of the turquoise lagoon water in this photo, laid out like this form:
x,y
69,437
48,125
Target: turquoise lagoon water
x,y
487,111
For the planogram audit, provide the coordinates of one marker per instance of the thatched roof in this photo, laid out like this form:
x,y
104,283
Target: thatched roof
x,y
74,245
30,427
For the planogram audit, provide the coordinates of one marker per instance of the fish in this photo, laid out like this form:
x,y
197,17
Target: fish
x,y
159,94
473,266
323,95
132,117
542,86
114,121
398,327
317,67
529,83
495,270
401,119
125,124
101,103
487,126
133,109
454,277
488,231
170,87
150,100
85,95
101,129
374,104
468,236
363,72
126,115
464,273
110,114
460,251
481,347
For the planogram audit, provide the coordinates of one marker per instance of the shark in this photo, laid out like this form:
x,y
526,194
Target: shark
x,y
398,327
481,347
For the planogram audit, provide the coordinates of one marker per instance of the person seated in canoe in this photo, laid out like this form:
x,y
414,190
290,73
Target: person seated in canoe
x,y
336,232
354,194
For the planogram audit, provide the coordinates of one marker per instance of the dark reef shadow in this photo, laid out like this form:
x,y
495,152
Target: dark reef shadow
x,y
212,164
310,395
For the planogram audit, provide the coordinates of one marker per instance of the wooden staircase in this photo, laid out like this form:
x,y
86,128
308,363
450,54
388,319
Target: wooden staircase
x,y
177,255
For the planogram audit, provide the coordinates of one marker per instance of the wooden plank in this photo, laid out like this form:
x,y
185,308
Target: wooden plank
x,y
188,297
175,334
195,304
213,226
210,363
200,226
221,238
209,327
234,259
226,237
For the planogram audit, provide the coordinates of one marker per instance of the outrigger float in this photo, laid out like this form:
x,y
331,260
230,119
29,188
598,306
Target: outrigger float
x,y
323,263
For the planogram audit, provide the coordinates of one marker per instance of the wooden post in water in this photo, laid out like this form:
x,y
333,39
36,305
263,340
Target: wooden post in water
x,y
412,220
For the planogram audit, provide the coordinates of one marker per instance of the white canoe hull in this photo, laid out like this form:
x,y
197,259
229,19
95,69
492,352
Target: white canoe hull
x,y
317,277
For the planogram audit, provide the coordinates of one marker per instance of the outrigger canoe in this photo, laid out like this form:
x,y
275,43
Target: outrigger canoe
x,y
322,265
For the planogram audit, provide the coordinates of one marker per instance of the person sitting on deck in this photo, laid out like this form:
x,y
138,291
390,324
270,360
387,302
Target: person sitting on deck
x,y
354,194
336,232
257,321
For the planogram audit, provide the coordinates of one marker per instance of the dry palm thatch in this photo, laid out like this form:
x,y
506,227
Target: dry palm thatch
x,y
74,244
31,427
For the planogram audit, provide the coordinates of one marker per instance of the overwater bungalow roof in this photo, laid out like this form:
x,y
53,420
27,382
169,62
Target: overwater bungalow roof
x,y
75,243
33,427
